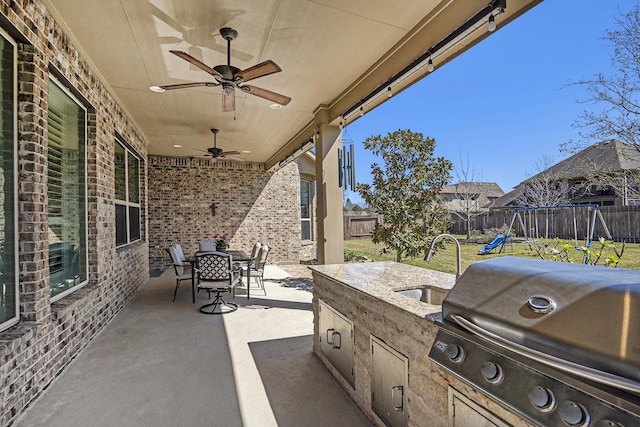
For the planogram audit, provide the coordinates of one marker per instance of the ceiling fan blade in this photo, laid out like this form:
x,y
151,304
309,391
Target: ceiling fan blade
x,y
233,153
196,62
266,94
259,70
228,99
188,85
238,159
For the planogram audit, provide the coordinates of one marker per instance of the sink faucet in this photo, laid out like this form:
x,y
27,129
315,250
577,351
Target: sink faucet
x,y
450,237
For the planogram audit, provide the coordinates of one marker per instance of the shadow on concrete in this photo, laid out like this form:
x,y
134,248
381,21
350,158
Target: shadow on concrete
x,y
263,303
299,388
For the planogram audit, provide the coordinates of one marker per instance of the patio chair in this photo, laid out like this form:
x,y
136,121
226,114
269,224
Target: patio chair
x,y
215,273
255,250
242,265
180,252
257,267
182,269
208,245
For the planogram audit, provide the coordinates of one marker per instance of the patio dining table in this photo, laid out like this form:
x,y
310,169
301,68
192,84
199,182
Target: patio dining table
x,y
236,256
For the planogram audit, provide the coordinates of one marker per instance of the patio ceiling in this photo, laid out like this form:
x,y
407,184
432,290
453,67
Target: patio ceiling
x,y
333,54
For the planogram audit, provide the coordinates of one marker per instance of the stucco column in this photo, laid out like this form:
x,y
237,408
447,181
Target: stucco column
x,y
329,196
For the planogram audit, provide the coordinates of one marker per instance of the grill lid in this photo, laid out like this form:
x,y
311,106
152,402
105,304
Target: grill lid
x,y
586,314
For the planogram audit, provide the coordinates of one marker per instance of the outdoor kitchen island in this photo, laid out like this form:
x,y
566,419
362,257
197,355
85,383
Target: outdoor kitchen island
x,y
371,331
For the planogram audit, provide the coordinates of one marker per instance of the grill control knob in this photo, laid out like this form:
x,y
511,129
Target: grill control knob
x,y
573,413
454,352
541,398
491,372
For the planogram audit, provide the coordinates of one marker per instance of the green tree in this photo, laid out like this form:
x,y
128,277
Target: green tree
x,y
406,191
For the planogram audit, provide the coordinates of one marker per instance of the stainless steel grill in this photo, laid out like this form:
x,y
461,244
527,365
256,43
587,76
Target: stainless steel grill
x,y
557,343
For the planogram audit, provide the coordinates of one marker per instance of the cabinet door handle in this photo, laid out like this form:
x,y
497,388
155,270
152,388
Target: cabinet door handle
x,y
393,395
334,345
330,337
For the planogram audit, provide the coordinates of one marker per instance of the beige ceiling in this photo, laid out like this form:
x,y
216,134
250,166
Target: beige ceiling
x,y
332,53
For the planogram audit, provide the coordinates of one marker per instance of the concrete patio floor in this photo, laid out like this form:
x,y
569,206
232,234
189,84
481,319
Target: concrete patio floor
x,y
160,363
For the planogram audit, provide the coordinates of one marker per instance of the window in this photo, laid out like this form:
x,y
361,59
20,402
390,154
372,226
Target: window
x,y
305,209
8,235
66,191
127,172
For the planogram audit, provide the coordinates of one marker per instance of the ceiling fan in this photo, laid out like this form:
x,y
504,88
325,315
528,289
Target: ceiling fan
x,y
230,77
215,152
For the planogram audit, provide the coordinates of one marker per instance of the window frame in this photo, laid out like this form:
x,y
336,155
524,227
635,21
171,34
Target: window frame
x,y
16,318
64,88
309,207
126,203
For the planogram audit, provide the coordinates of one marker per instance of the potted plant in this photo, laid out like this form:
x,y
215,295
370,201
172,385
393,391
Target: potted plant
x,y
221,242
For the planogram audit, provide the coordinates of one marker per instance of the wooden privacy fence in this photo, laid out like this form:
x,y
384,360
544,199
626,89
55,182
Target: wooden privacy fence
x,y
623,223
358,225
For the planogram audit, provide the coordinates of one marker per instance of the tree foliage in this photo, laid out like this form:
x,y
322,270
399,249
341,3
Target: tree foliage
x,y
406,191
615,99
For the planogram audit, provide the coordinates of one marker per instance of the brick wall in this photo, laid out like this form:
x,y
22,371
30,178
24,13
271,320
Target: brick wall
x,y
49,335
251,205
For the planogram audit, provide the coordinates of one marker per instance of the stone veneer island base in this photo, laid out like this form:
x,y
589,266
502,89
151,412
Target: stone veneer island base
x,y
376,342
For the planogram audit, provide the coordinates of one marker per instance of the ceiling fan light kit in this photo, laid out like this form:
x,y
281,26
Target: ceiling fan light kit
x,y
230,77
228,97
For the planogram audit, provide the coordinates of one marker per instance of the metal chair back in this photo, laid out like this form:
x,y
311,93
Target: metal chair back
x,y
262,258
216,267
255,250
208,245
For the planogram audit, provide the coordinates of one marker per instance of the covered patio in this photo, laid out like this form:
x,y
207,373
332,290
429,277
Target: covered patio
x,y
160,363
101,175
338,62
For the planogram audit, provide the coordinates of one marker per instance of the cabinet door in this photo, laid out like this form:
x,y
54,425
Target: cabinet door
x,y
463,412
325,328
336,340
342,346
388,382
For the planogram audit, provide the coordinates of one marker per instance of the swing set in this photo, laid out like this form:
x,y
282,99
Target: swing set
x,y
534,221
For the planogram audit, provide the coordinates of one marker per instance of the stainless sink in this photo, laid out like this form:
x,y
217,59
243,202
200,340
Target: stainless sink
x,y
433,296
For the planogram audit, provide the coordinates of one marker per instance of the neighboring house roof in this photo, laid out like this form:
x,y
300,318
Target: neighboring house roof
x,y
606,156
487,192
488,189
509,198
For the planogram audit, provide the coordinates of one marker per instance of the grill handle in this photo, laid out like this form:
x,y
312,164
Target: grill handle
x,y
582,371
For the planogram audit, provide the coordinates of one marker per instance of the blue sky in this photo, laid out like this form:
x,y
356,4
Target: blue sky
x,y
504,103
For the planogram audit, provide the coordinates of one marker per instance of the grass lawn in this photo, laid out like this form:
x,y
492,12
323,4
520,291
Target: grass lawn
x,y
446,260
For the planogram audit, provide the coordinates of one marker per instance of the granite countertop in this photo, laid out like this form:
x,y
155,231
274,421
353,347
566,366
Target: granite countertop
x,y
383,279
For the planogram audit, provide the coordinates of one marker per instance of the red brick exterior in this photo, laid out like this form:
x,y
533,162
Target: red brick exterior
x,y
49,335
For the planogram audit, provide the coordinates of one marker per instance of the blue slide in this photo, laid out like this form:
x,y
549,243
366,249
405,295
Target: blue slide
x,y
497,241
